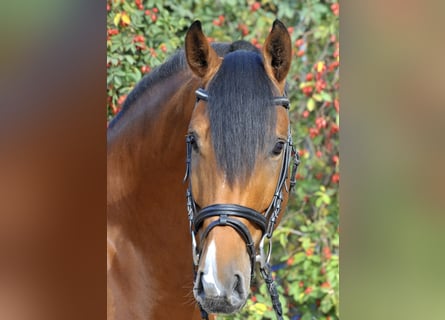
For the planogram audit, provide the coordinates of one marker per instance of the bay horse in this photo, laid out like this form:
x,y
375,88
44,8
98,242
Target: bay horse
x,y
226,101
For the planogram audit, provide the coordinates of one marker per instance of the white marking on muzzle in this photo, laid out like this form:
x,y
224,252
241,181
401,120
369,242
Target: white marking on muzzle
x,y
209,278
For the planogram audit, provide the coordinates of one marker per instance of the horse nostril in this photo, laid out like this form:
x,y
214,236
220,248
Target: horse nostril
x,y
238,285
199,285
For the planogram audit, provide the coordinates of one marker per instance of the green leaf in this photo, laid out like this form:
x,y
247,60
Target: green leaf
x,y
310,104
307,316
130,59
317,97
326,96
299,257
326,304
117,19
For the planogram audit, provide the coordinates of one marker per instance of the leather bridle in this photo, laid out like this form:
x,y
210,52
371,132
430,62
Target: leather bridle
x,y
228,213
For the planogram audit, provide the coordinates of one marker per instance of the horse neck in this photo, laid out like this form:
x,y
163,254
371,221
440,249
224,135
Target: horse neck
x,y
146,147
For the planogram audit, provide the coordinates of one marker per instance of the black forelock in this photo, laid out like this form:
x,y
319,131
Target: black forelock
x,y
241,113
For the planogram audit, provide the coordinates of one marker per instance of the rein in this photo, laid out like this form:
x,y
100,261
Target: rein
x,y
228,213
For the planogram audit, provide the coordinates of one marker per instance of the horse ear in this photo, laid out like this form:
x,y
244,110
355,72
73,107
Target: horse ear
x,y
277,52
201,57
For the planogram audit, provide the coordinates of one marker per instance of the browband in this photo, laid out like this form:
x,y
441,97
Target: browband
x,y
283,101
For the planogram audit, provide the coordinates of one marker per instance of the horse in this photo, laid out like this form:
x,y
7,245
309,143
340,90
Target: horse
x,y
228,102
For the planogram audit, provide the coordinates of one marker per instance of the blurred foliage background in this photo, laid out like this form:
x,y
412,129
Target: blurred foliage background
x,y
142,34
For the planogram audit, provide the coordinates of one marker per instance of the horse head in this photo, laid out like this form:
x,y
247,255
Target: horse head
x,y
239,149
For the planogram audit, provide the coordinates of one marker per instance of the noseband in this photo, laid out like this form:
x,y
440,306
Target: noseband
x,y
228,213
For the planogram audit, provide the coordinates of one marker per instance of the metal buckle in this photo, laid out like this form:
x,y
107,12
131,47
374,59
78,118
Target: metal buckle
x,y
195,253
263,258
202,94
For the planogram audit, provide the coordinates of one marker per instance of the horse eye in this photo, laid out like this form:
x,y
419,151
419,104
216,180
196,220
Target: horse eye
x,y
278,148
191,138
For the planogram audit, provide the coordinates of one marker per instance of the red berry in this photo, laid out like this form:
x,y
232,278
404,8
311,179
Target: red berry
x,y
112,32
335,178
308,290
333,65
121,99
305,114
255,6
290,261
155,10
154,17
334,129
337,105
313,132
327,253
309,77
335,7
299,42
145,69
320,85
139,39
320,122
115,109
307,90
244,29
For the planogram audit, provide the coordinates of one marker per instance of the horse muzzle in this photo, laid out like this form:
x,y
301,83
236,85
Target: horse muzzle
x,y
215,297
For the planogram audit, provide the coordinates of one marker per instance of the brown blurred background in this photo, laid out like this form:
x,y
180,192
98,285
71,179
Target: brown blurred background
x,y
52,160
392,148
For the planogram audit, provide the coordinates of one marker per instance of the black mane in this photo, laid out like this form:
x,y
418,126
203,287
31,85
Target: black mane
x,y
174,64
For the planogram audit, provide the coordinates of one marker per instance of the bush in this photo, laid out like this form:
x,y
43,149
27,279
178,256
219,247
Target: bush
x,y
142,34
